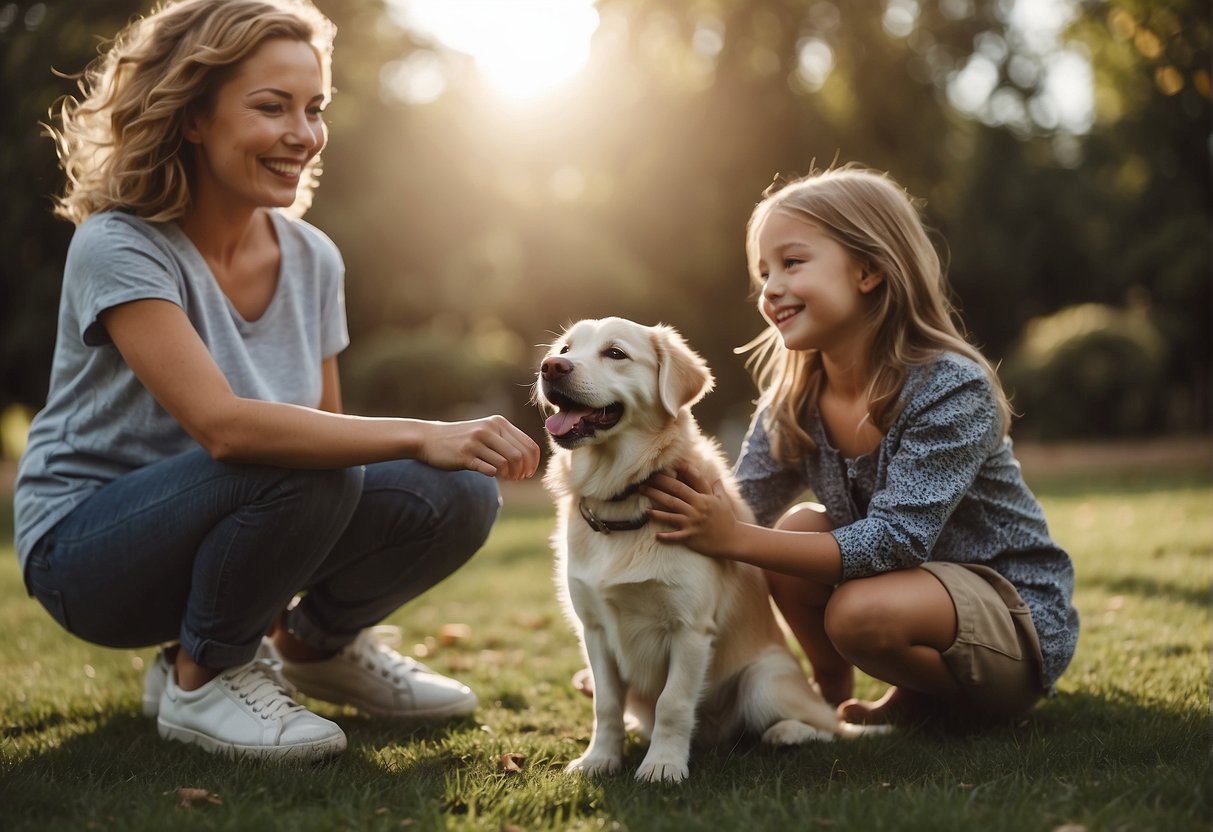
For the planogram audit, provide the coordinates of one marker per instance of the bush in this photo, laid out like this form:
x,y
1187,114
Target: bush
x,y
438,372
1088,371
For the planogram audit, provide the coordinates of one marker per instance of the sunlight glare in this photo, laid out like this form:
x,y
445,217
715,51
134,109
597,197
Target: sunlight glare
x,y
524,48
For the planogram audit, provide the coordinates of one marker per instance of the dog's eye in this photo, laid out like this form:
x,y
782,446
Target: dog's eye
x,y
615,354
564,349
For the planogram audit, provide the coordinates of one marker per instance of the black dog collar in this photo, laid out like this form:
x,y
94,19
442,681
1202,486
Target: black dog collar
x,y
607,526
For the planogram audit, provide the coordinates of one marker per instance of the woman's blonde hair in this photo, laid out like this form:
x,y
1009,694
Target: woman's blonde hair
x,y
120,145
911,318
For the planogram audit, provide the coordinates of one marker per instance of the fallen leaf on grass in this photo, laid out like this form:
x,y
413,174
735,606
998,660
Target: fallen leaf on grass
x,y
451,634
186,798
459,662
512,763
533,622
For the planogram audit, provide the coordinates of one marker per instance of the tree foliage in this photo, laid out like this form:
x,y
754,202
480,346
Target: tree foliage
x,y
627,192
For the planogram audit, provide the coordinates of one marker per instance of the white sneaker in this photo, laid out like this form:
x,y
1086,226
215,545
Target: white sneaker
x,y
157,675
244,712
370,675
153,684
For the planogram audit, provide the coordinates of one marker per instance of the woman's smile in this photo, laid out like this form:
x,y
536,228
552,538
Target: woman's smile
x,y
267,119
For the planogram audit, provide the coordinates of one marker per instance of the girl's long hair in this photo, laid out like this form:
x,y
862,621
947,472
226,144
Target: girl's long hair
x,y
911,318
121,144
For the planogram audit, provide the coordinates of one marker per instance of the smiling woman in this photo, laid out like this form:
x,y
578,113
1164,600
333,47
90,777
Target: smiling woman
x,y
196,400
523,48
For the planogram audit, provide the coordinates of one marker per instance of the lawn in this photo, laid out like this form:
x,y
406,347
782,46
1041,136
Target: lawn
x,y
1125,746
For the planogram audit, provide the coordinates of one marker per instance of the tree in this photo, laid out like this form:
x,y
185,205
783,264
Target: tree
x,y
468,220
37,39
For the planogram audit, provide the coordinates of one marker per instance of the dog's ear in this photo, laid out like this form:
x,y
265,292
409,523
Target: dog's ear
x,y
683,378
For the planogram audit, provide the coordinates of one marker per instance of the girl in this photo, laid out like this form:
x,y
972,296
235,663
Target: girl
x,y
928,563
191,471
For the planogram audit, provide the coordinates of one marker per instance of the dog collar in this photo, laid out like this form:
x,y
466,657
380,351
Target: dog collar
x,y
607,526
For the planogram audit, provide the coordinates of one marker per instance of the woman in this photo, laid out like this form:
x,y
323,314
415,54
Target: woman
x,y
192,470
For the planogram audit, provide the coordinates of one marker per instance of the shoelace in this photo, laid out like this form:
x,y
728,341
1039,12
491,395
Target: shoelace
x,y
257,684
375,650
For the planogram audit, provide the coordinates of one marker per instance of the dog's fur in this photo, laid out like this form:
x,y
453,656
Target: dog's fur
x,y
685,643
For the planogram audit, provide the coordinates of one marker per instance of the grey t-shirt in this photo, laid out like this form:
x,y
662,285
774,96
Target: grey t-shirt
x,y
100,422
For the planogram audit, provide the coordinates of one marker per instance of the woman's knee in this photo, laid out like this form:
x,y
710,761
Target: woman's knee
x,y
457,507
339,489
473,502
330,492
313,507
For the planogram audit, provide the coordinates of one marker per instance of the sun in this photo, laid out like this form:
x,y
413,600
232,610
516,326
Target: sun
x,y
524,48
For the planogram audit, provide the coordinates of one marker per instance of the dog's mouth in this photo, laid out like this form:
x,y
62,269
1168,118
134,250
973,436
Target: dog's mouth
x,y
574,422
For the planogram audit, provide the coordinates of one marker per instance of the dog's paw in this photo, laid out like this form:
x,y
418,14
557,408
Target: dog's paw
x,y
662,771
595,764
794,732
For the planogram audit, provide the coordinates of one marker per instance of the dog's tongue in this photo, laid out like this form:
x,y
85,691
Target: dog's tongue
x,y
561,423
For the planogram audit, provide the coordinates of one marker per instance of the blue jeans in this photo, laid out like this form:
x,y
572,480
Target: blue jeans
x,y
211,553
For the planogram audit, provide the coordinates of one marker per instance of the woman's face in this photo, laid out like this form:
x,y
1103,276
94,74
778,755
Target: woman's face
x,y
263,128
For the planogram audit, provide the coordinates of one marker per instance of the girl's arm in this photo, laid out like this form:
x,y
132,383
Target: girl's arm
x,y
702,518
164,351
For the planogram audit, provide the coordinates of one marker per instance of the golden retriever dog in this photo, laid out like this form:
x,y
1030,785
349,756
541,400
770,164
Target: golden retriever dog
x,y
682,644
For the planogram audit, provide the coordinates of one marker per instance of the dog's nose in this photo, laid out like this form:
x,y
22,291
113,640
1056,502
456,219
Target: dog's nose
x,y
555,367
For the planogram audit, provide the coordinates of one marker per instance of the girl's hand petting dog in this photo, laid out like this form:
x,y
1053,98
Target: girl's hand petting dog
x,y
699,511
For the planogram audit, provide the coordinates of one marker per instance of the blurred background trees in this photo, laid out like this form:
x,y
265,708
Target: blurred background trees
x,y
1061,150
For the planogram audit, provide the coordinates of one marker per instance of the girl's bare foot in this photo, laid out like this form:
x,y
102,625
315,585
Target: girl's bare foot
x,y
835,688
897,707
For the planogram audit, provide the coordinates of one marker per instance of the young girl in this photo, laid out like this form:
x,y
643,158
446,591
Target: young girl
x,y
928,563
192,469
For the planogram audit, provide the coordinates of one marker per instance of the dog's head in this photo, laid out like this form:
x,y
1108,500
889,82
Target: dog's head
x,y
601,376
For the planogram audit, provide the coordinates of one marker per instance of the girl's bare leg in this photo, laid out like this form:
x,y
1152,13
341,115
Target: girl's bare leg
x,y
803,605
895,627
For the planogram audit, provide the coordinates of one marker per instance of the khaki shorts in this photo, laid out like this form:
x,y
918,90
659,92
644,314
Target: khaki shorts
x,y
996,656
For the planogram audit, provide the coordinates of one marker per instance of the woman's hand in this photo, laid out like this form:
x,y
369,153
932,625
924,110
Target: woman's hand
x,y
700,512
491,446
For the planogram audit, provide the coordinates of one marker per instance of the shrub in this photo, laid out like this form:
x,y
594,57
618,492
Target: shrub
x,y
440,371
1088,371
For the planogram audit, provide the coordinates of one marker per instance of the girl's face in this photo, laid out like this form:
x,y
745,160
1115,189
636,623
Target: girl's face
x,y
263,128
814,292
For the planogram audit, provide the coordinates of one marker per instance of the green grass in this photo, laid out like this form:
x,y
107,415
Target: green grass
x,y
1124,746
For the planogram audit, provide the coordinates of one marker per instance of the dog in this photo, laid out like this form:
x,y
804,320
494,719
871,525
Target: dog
x,y
678,644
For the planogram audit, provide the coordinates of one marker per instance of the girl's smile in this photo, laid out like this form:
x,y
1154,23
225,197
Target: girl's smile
x,y
782,317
